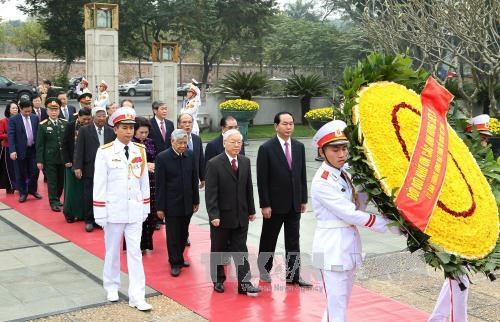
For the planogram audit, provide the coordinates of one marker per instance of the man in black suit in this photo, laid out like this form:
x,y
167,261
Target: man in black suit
x,y
67,111
230,207
282,185
38,109
161,128
23,129
177,196
215,147
90,137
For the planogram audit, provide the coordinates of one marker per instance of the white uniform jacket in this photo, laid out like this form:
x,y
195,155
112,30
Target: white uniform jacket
x,y
192,106
103,99
337,244
121,186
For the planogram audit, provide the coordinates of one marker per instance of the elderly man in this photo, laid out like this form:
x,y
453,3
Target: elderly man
x,y
90,138
121,205
177,196
66,112
215,147
230,207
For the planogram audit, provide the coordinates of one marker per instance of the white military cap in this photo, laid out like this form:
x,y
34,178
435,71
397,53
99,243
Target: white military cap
x,y
480,122
332,133
125,115
97,109
103,83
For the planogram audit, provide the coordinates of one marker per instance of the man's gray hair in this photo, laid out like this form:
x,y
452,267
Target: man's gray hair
x,y
230,132
181,115
178,135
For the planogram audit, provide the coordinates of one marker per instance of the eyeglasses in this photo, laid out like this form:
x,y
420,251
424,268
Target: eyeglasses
x,y
233,127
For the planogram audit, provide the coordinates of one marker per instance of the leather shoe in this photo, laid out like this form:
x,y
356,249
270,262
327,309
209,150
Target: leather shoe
x,y
112,296
248,289
175,271
186,264
60,204
22,198
265,277
10,191
300,282
36,195
70,220
219,287
141,306
55,208
89,227
188,242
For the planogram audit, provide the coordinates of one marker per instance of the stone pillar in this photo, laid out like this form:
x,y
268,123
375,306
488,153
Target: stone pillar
x,y
165,87
101,63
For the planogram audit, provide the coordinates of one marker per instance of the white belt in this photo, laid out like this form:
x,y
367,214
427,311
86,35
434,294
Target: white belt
x,y
329,224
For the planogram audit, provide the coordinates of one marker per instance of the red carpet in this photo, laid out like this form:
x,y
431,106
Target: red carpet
x,y
193,288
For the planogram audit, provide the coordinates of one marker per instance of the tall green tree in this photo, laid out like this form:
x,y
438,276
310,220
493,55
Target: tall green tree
x,y
300,9
214,24
29,38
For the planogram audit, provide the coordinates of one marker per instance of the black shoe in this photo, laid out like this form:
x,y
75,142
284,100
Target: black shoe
x,y
186,264
22,198
10,191
248,289
265,277
70,220
89,227
36,195
175,271
300,282
219,287
157,226
55,208
188,242
60,204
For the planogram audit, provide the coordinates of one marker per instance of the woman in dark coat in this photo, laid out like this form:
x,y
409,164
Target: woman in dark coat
x,y
7,176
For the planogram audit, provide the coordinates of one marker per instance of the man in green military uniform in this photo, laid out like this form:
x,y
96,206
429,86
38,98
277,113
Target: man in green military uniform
x,y
49,151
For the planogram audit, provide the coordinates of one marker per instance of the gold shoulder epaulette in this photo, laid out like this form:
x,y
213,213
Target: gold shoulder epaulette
x,y
75,114
139,144
44,121
107,145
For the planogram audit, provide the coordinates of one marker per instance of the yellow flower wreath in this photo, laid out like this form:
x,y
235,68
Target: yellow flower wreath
x,y
465,219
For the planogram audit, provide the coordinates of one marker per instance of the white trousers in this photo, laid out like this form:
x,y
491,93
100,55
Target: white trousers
x,y
338,288
113,234
452,302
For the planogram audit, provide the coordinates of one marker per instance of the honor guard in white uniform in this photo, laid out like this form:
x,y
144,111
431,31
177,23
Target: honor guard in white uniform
x,y
337,243
121,205
103,96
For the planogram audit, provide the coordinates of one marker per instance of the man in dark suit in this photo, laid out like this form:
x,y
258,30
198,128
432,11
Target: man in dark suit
x,y
281,181
161,128
67,111
177,196
38,109
215,147
23,129
90,137
230,207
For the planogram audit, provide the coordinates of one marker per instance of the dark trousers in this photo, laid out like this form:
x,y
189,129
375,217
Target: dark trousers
x,y
269,237
177,230
219,238
27,173
88,210
55,182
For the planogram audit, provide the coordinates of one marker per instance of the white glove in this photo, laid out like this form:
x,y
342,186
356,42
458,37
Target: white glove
x,y
101,222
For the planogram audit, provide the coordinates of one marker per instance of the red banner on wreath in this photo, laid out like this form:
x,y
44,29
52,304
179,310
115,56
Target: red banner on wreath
x,y
420,190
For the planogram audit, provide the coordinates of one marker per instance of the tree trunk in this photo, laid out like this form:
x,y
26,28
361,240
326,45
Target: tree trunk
x,y
36,69
180,71
140,73
305,106
206,68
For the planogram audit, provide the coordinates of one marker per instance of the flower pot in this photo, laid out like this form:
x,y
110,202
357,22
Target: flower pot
x,y
243,117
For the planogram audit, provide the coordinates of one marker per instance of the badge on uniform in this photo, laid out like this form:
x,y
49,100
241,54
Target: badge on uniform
x,y
49,128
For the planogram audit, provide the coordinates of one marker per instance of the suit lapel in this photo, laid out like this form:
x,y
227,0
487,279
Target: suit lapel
x,y
295,153
93,130
240,167
226,165
281,154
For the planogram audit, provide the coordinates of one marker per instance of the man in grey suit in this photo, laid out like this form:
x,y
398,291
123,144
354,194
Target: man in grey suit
x,y
90,138
230,207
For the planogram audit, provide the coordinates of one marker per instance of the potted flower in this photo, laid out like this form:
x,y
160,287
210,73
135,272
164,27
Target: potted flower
x,y
317,118
494,126
242,110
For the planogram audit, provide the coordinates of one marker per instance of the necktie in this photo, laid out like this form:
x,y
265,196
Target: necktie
x,y
99,134
190,144
38,115
288,156
29,132
65,112
126,151
234,166
162,129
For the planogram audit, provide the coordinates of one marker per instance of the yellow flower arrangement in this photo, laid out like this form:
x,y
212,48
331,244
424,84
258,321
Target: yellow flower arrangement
x,y
494,126
239,105
320,114
465,220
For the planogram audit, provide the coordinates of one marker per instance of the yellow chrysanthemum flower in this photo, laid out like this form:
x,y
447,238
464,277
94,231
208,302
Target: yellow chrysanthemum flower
x,y
465,220
494,126
239,105
320,114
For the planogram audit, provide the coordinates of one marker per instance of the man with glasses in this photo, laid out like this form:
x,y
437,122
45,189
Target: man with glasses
x,y
215,147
